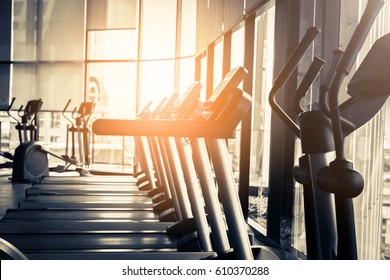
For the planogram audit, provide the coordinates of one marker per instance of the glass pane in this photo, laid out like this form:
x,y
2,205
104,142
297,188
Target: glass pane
x,y
233,11
26,90
24,30
57,83
237,58
209,22
261,117
4,85
53,129
61,36
5,51
113,153
203,77
188,23
158,29
6,127
296,232
187,73
108,14
5,30
250,4
112,86
156,81
218,61
112,44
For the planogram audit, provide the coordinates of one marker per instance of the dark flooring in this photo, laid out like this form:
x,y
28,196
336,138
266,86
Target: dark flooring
x,y
10,194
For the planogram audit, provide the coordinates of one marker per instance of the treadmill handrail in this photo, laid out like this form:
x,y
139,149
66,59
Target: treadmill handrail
x,y
162,128
220,128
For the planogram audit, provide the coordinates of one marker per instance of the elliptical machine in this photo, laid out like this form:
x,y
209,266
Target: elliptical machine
x,y
78,127
329,188
30,162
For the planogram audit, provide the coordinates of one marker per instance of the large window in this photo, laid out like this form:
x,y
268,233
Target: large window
x,y
158,50
99,50
48,51
123,53
47,62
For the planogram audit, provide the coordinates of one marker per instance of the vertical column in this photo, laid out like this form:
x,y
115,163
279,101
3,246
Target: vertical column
x,y
229,198
5,51
210,70
281,183
178,44
246,124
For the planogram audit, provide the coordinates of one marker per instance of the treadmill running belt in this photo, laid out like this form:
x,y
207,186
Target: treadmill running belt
x,y
38,214
47,241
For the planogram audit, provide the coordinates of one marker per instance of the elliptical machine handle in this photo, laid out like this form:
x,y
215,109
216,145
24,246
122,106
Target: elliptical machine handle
x,y
66,106
64,111
307,81
11,104
349,57
296,56
359,36
9,110
286,72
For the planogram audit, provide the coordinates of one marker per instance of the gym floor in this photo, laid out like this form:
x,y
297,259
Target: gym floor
x,y
10,194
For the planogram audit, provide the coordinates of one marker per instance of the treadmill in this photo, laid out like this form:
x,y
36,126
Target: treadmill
x,y
19,236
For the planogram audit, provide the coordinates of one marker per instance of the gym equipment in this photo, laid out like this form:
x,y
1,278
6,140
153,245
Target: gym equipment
x,y
69,128
36,195
83,132
30,160
76,180
227,101
330,224
27,124
83,214
223,113
339,177
80,127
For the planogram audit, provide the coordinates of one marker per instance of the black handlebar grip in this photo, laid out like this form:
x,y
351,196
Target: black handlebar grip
x,y
66,106
11,104
296,56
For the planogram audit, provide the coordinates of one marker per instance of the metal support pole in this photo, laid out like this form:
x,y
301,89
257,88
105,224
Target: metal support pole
x,y
210,195
197,203
230,200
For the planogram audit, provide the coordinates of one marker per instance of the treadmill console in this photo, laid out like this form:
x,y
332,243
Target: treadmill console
x,y
218,102
188,102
